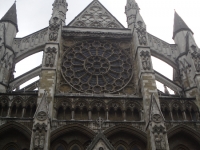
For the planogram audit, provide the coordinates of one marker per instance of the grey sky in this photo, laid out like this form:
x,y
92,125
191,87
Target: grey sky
x,y
158,15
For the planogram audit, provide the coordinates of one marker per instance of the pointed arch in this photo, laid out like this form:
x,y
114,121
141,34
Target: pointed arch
x,y
72,127
128,129
16,126
183,135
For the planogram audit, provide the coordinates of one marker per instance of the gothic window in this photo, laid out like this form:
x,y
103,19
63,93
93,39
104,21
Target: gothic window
x,y
60,147
135,148
97,67
94,113
136,115
60,114
11,147
75,147
120,147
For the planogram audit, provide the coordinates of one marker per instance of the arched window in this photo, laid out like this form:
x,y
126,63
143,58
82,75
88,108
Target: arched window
x,y
120,147
60,147
135,148
75,147
11,147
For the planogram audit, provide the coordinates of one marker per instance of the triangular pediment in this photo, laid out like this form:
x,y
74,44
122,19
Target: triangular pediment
x,y
95,15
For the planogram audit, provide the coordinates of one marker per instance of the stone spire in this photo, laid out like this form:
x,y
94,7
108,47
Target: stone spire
x,y
11,16
60,9
179,25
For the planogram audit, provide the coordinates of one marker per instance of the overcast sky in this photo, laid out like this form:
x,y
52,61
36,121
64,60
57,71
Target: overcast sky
x,y
158,15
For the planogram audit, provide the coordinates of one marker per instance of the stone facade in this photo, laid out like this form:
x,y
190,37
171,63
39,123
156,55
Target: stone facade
x,y
97,87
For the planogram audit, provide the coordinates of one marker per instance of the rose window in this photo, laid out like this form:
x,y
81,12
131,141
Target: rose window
x,y
96,66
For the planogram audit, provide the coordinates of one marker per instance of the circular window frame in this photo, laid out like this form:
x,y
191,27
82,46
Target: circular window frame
x,y
122,57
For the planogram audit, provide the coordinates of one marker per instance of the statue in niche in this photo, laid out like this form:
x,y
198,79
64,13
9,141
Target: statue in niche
x,y
36,139
141,31
145,56
54,28
159,142
50,57
42,139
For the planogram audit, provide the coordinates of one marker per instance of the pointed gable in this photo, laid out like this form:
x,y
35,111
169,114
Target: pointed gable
x,y
100,141
11,16
155,114
42,112
96,16
179,25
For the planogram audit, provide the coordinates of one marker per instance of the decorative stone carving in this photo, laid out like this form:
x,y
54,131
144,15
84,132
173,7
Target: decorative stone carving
x,y
42,116
156,118
185,67
50,56
100,122
196,58
96,34
37,139
145,56
39,135
2,36
95,66
158,132
141,31
53,29
96,16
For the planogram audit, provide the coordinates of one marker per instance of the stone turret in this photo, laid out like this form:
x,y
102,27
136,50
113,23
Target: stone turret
x,y
8,31
180,31
188,56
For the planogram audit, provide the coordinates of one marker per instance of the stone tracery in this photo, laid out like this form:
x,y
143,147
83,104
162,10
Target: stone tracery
x,y
96,66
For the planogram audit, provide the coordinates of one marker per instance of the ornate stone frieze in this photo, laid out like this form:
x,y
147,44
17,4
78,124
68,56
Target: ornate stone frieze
x,y
145,58
96,16
53,29
95,34
50,56
142,35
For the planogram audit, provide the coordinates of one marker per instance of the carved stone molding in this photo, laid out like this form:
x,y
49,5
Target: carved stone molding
x,y
95,34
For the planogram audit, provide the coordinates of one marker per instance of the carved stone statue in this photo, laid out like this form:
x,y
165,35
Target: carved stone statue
x,y
50,57
145,56
36,139
141,31
42,139
53,28
159,142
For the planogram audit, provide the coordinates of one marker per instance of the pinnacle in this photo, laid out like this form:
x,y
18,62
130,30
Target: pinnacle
x,y
179,24
11,16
